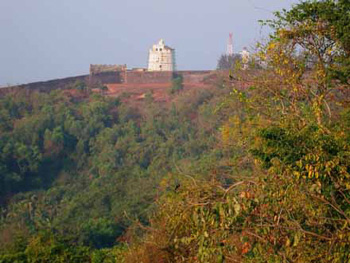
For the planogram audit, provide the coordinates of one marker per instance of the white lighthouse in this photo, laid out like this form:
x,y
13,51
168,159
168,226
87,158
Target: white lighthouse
x,y
161,57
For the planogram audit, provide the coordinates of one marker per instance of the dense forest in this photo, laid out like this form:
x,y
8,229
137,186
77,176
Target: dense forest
x,y
83,168
258,172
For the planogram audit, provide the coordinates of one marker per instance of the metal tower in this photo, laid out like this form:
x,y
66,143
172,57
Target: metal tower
x,y
230,45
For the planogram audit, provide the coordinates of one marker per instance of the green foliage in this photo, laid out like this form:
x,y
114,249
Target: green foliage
x,y
259,175
284,193
322,28
176,84
47,248
80,85
193,225
227,62
100,233
85,167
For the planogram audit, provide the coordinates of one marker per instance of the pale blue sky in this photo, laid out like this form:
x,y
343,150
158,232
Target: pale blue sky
x,y
47,39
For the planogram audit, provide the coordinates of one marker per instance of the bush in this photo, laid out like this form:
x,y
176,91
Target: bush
x,y
176,84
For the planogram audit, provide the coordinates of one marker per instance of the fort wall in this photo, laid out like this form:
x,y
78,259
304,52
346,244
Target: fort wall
x,y
46,86
195,76
119,77
136,77
107,77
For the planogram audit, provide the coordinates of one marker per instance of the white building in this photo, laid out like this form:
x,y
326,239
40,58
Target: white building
x,y
245,58
161,57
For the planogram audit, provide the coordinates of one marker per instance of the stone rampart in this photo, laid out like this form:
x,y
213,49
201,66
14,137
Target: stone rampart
x,y
195,76
139,77
96,69
128,77
50,85
107,78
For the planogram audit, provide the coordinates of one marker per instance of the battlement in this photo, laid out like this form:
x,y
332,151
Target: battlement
x,y
114,75
101,68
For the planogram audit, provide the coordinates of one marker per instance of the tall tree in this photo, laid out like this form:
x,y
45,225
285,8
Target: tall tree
x,y
228,62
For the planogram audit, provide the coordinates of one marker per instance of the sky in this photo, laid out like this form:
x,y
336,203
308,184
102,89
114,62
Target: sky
x,y
49,39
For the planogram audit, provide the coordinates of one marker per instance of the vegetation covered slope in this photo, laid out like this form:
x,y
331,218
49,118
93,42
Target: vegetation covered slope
x,y
261,174
77,170
287,196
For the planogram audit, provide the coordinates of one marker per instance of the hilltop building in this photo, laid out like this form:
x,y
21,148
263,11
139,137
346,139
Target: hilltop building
x,y
245,58
161,58
102,68
100,73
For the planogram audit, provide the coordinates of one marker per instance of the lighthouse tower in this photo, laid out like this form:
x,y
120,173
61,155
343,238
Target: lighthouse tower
x,y
161,57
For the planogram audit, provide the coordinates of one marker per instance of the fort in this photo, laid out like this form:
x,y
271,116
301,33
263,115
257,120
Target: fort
x,y
161,57
124,79
160,73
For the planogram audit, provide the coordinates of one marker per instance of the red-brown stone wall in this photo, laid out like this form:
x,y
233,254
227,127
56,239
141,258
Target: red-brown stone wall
x,y
137,77
129,77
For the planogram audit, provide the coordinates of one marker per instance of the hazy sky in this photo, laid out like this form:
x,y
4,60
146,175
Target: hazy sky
x,y
46,39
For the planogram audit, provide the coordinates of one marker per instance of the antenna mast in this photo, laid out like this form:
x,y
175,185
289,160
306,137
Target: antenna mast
x,y
230,45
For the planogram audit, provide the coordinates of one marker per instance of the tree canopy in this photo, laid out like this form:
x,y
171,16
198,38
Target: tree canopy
x,y
256,169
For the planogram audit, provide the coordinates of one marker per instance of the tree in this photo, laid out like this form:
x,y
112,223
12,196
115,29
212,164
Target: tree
x,y
103,89
321,28
311,33
289,200
176,84
228,62
80,85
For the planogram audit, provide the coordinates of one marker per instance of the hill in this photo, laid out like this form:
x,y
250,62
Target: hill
x,y
127,81
78,166
253,168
